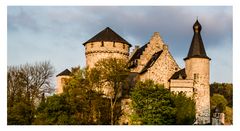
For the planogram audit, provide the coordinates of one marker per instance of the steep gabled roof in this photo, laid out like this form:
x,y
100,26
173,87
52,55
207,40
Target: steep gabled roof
x,y
138,53
64,73
179,74
197,49
151,61
107,35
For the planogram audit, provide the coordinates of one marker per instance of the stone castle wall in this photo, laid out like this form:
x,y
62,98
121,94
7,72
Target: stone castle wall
x,y
162,70
197,69
61,80
185,86
155,45
96,51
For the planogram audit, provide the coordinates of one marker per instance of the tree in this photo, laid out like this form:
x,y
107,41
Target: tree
x,y
228,115
222,98
185,109
79,104
225,89
112,74
25,86
218,102
155,105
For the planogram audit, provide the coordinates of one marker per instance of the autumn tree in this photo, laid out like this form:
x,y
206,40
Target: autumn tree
x,y
112,74
26,85
79,104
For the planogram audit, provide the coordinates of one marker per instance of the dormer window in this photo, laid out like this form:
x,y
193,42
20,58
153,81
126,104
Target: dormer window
x,y
102,44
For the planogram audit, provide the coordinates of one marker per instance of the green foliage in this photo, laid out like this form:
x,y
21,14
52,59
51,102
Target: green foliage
x,y
218,101
20,114
54,111
225,89
222,98
228,115
79,104
26,85
111,74
185,109
155,105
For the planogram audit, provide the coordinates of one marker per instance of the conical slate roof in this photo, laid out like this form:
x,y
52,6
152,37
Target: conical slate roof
x,y
64,73
107,35
197,49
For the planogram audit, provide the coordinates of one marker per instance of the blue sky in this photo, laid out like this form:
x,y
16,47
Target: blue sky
x,y
38,33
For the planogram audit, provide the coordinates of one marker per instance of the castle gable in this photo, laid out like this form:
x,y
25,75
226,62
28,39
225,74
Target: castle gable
x,y
160,68
151,61
142,56
136,56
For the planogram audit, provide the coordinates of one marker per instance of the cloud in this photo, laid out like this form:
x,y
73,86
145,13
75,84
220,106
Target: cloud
x,y
57,33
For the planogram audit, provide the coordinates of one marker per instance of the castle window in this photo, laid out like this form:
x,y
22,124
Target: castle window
x,y
91,45
196,76
102,44
123,46
114,44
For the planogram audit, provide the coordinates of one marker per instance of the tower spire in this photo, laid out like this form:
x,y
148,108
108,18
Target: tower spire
x,y
197,49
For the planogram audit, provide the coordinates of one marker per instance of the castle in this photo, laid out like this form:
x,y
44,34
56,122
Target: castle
x,y
154,61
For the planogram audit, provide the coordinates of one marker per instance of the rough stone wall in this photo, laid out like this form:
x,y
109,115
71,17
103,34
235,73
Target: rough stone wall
x,y
60,83
96,51
127,112
185,86
197,69
162,70
155,44
218,119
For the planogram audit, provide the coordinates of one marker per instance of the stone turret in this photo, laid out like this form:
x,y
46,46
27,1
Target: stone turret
x,y
105,44
197,69
61,80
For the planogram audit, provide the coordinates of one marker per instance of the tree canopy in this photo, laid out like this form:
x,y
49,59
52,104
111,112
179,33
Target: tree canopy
x,y
155,105
26,85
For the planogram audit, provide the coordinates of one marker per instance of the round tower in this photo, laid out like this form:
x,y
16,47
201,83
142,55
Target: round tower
x,y
61,80
105,44
198,69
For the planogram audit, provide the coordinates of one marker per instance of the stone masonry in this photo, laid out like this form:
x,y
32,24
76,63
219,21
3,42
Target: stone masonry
x,y
154,61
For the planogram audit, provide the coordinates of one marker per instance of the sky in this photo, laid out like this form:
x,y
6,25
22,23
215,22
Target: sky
x,y
56,33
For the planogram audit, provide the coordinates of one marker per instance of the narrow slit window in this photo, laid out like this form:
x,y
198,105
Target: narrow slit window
x,y
114,44
102,44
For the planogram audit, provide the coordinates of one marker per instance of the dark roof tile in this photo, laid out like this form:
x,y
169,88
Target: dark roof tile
x,y
197,49
179,74
151,61
107,35
64,73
